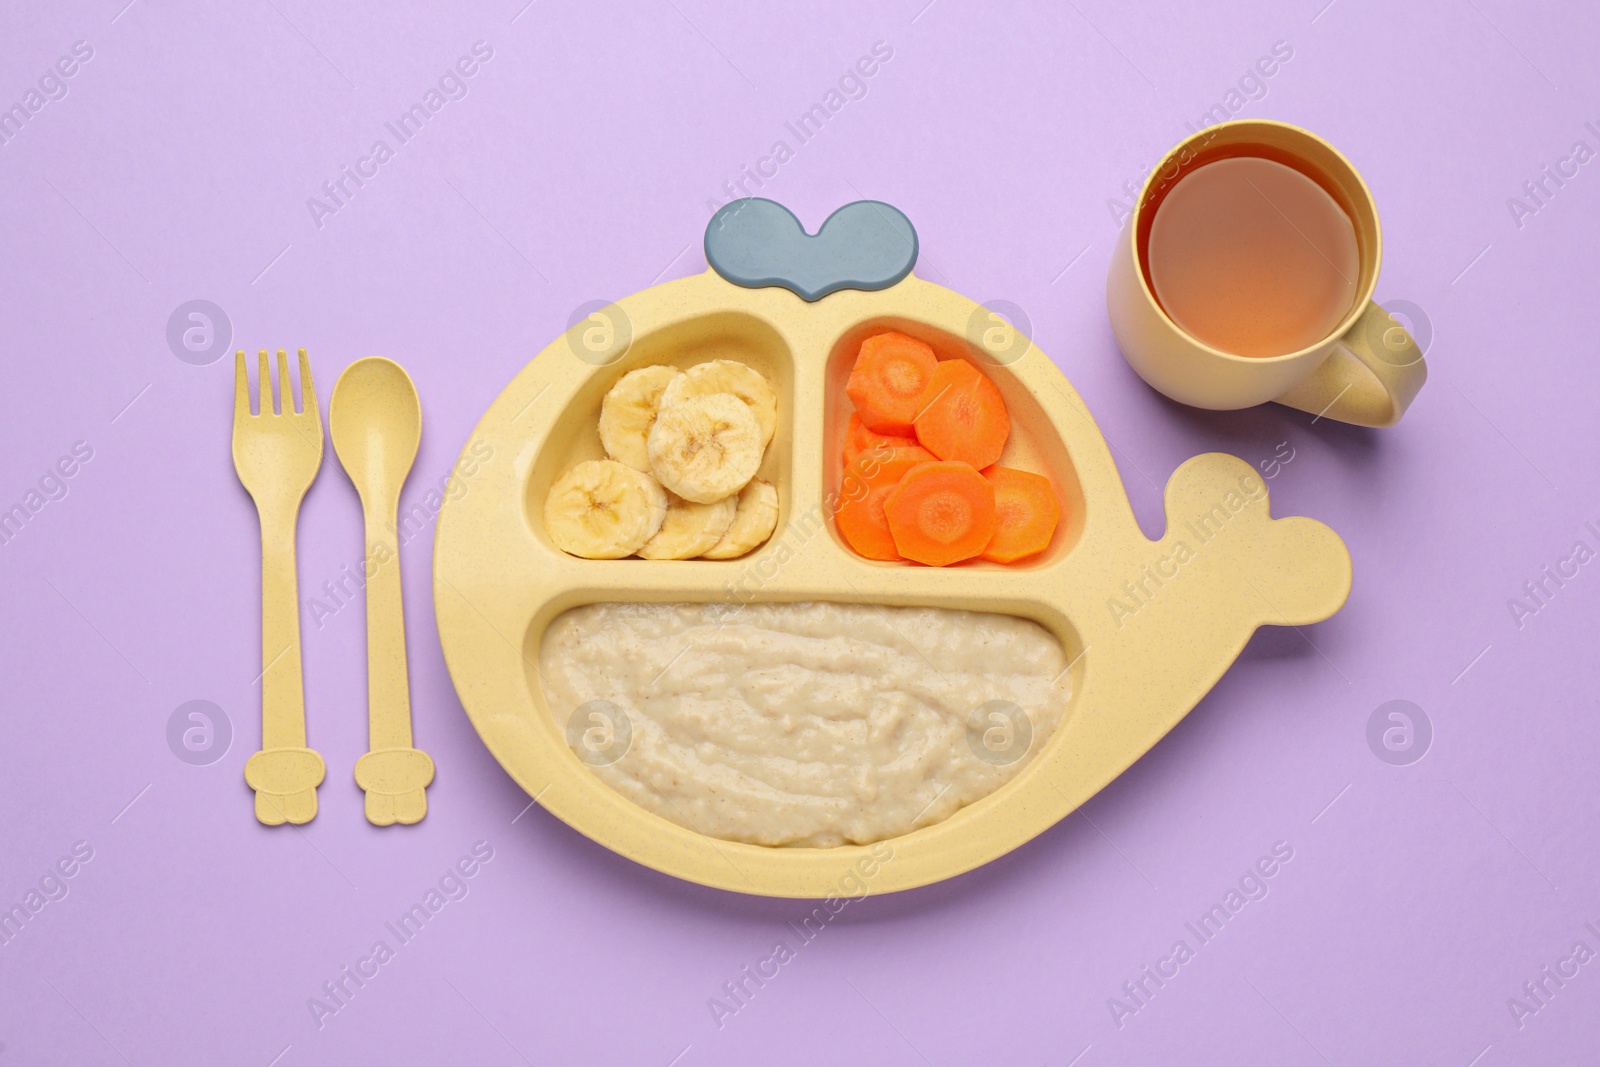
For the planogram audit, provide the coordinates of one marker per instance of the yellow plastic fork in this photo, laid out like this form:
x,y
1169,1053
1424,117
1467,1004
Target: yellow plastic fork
x,y
277,456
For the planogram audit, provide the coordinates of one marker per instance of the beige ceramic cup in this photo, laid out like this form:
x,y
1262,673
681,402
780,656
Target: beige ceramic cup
x,y
1366,371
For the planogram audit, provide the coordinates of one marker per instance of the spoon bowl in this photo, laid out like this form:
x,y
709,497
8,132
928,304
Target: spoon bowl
x,y
375,421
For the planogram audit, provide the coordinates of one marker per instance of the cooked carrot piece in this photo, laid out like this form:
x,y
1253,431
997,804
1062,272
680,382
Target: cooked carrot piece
x,y
886,384
858,439
868,480
1026,513
963,416
941,512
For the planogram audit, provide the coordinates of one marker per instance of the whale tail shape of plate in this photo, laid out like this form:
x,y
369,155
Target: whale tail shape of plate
x,y
1149,626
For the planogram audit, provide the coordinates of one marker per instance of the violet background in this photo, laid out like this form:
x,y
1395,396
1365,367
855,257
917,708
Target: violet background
x,y
582,165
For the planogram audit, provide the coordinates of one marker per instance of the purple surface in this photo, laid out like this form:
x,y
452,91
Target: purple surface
x,y
582,164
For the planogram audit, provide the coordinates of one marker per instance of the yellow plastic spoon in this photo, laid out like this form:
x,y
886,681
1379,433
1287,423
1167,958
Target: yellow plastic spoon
x,y
375,421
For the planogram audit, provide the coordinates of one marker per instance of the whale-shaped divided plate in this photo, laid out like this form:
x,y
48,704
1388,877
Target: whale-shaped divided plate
x,y
1149,626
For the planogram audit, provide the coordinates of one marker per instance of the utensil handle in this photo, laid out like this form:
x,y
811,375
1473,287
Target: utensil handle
x,y
283,709
1369,379
388,682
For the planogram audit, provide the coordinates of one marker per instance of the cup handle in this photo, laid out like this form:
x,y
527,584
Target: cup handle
x,y
1369,379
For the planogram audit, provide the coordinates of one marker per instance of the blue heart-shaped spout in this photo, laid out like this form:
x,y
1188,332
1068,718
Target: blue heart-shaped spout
x,y
757,242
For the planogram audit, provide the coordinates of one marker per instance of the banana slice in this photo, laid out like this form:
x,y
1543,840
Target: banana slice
x,y
728,376
753,522
705,447
628,412
602,509
690,529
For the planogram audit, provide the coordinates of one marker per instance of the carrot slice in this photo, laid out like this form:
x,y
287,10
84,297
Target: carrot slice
x,y
1026,513
868,481
858,439
886,384
941,512
963,416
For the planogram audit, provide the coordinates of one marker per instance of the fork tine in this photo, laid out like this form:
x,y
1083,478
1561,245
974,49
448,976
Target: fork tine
x,y
308,392
285,387
241,387
265,370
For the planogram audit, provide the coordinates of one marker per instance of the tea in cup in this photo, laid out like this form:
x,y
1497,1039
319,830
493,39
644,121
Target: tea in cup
x,y
1245,273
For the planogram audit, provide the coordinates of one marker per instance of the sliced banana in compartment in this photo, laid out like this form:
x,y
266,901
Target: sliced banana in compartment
x,y
679,483
753,522
629,410
728,376
602,509
705,447
690,529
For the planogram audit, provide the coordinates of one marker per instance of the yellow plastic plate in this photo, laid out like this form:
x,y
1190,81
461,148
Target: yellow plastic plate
x,y
1149,626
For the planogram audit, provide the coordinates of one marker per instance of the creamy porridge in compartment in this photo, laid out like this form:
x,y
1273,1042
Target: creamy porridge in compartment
x,y
813,724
